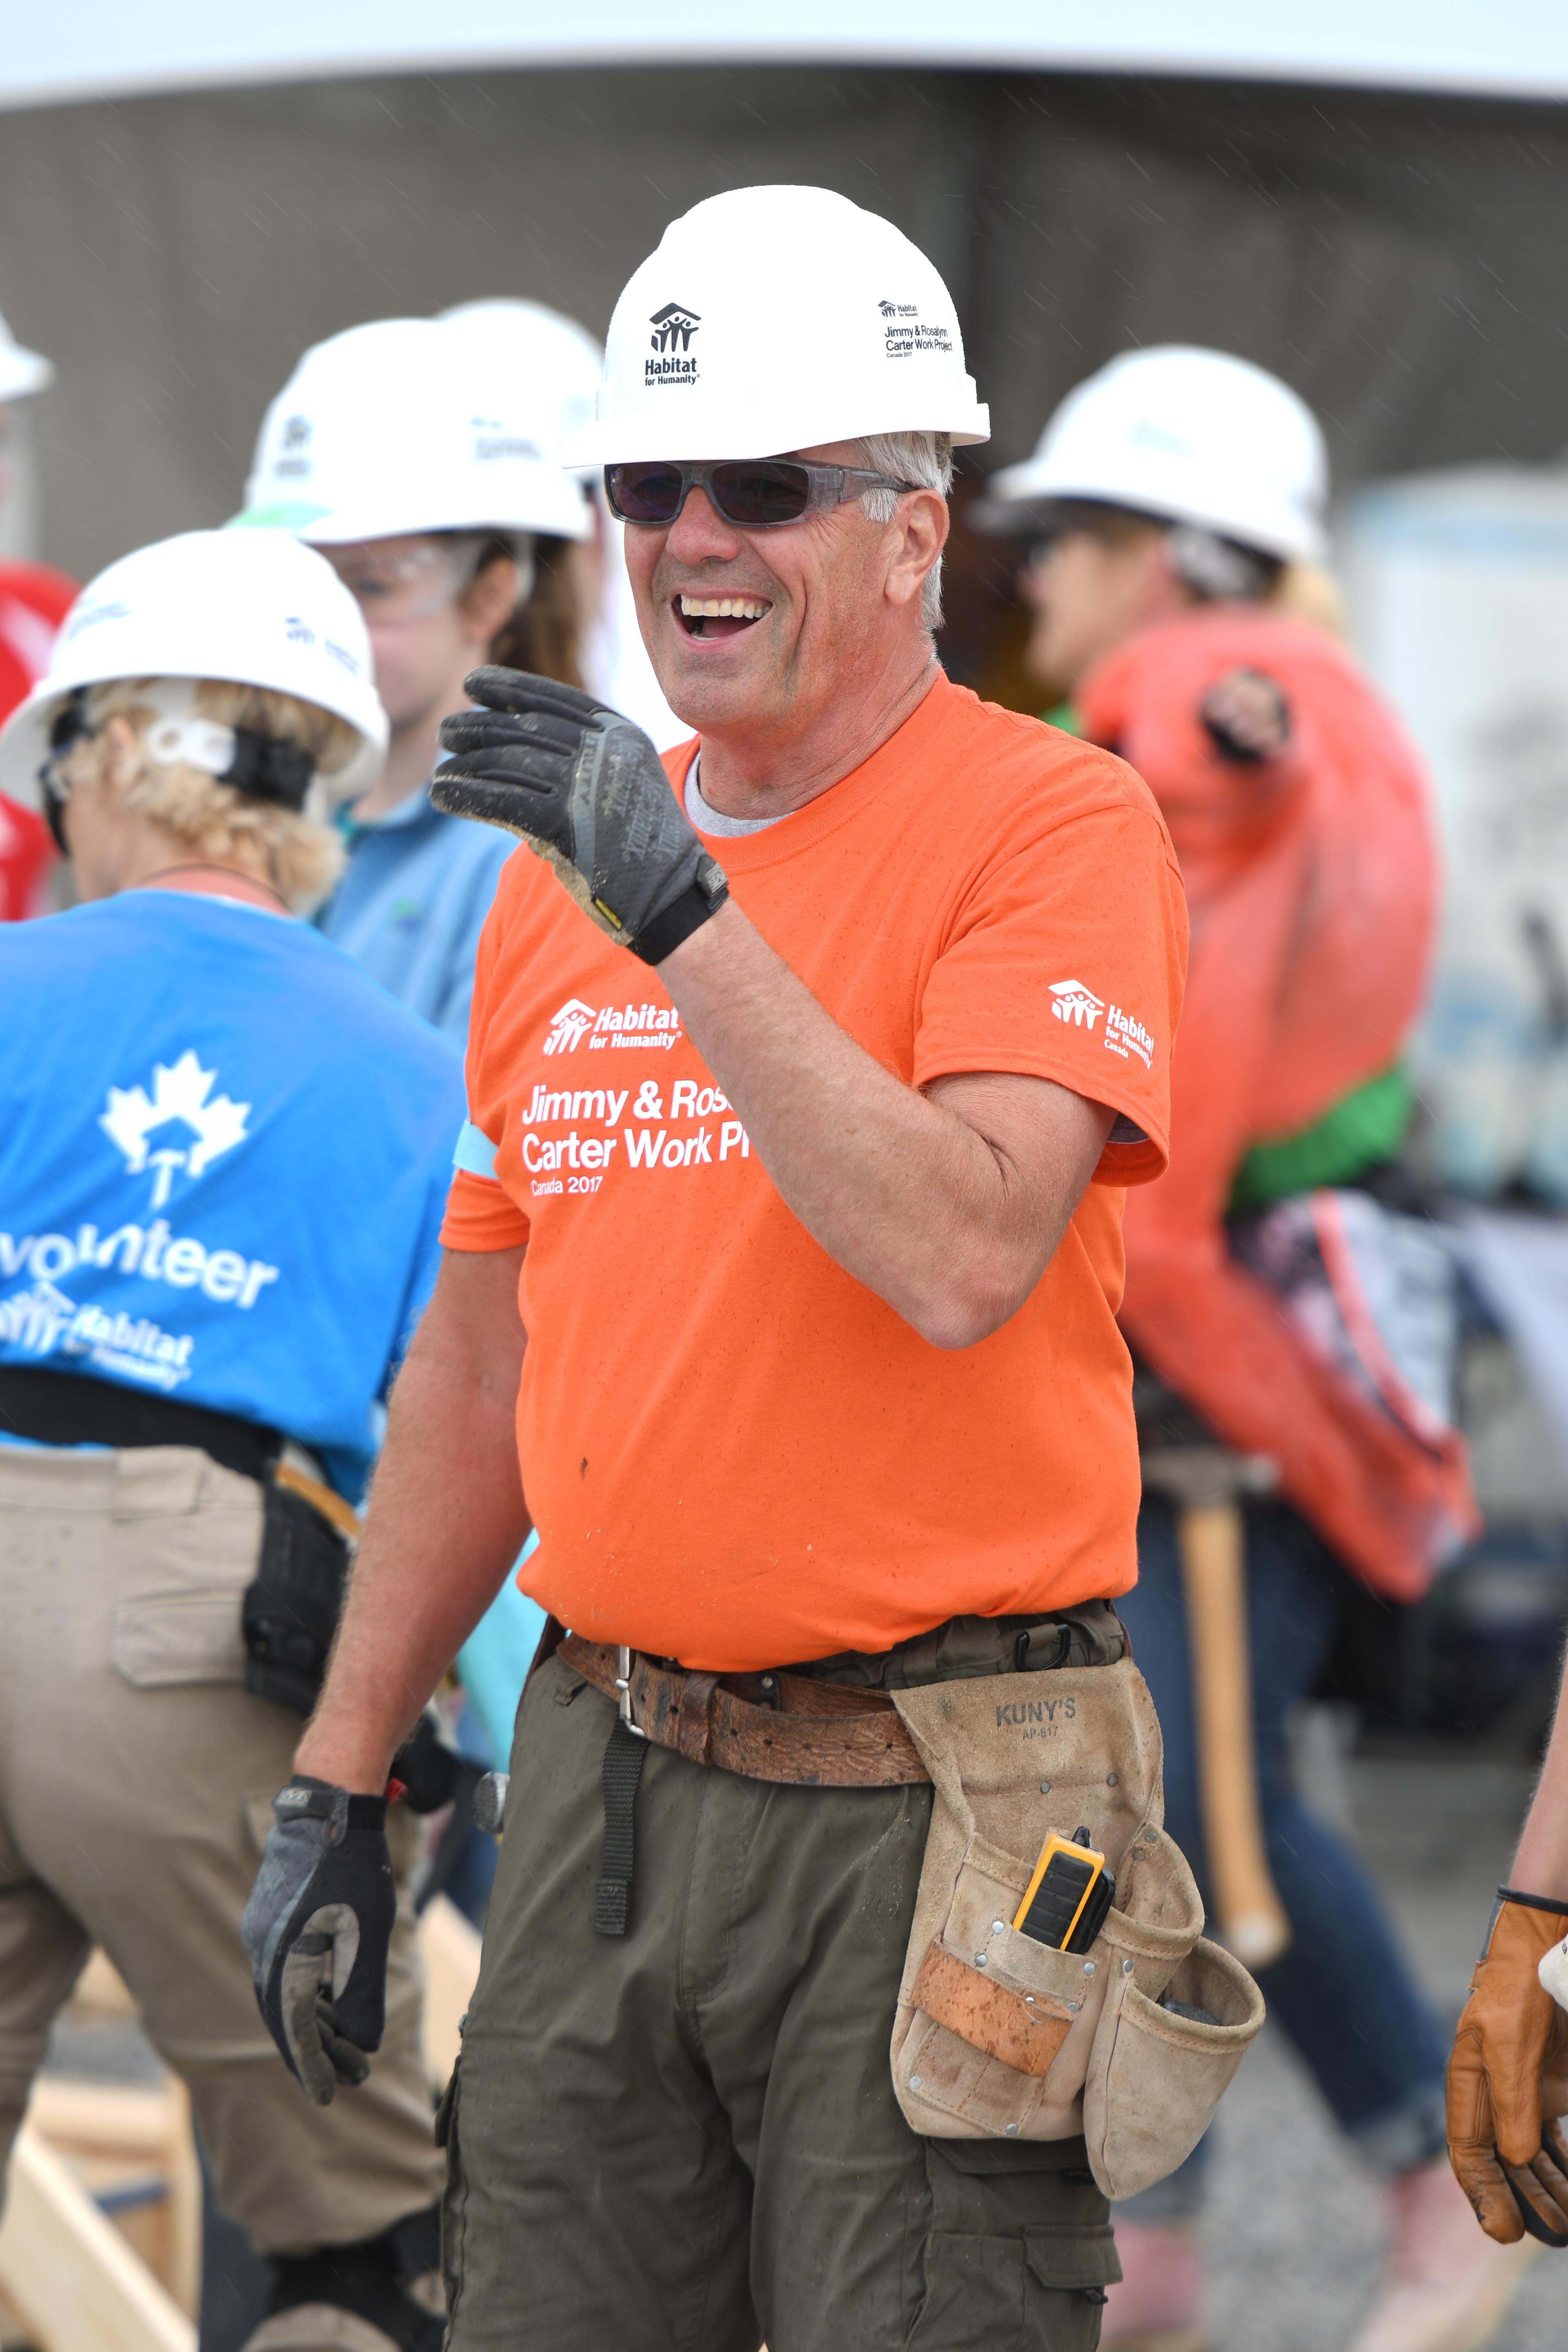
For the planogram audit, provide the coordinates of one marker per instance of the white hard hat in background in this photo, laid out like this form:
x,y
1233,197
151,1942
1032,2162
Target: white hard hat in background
x,y
1194,435
773,318
382,431
21,371
253,608
561,360
556,362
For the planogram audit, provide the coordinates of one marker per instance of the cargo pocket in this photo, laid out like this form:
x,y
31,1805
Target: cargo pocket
x,y
1155,2076
974,2294
1066,2271
1019,2250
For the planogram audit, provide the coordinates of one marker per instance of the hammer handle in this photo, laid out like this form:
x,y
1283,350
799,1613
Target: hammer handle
x,y
1252,1919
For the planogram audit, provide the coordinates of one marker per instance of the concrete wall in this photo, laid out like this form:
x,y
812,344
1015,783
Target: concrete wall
x,y
1395,259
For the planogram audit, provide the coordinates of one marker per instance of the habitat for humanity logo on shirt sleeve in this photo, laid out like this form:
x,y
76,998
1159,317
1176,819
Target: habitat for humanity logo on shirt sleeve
x,y
1081,1008
165,1138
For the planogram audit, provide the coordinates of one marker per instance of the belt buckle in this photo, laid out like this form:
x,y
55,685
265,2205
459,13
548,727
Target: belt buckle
x,y
624,1684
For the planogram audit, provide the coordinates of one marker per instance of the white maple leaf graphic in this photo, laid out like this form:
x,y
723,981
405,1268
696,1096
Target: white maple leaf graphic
x,y
178,1092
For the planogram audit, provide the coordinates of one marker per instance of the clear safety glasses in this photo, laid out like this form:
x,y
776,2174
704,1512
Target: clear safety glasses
x,y
753,493
395,580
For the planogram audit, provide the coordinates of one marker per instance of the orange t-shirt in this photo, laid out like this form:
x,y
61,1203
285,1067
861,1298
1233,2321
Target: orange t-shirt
x,y
735,1454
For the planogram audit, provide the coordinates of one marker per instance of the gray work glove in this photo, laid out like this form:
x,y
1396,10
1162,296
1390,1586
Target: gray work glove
x,y
318,1928
583,789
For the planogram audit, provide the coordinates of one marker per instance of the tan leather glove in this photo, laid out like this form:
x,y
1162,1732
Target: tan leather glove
x,y
1508,2084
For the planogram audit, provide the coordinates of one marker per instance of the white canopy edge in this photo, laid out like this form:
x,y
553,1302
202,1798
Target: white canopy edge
x,y
101,49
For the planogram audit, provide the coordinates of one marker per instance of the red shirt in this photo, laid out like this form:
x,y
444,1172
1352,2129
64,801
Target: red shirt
x,y
34,601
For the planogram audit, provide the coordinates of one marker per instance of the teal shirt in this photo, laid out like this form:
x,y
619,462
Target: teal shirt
x,y
413,902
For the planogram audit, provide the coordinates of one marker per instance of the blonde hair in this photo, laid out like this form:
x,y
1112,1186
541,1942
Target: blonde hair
x,y
302,856
1306,593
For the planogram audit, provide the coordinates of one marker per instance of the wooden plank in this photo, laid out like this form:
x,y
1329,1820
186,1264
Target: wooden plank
x,y
450,1945
102,2119
67,2272
182,2268
110,2132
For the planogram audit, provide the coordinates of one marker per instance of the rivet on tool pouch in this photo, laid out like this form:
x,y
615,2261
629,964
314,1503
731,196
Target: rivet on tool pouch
x,y
1131,2038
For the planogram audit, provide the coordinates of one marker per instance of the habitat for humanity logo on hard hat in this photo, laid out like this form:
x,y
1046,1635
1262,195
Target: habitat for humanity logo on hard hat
x,y
294,457
182,1097
906,333
673,328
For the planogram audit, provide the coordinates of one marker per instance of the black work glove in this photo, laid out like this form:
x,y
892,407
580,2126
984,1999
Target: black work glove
x,y
583,789
318,1928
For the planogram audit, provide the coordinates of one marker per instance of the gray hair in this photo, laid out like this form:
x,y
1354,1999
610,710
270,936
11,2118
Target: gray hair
x,y
924,460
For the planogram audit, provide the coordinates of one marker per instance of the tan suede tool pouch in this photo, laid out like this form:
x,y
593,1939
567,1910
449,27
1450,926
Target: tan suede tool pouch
x,y
996,2036
1154,2076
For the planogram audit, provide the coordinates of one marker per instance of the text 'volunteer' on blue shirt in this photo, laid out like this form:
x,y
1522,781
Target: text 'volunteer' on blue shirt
x,y
224,1153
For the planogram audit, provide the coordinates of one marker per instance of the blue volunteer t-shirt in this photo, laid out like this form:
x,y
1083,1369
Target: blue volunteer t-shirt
x,y
224,1153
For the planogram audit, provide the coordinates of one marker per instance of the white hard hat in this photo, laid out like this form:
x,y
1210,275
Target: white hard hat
x,y
21,371
385,430
551,350
252,608
1193,434
528,343
774,319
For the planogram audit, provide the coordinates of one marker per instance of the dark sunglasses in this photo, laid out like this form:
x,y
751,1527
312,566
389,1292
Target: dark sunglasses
x,y
754,493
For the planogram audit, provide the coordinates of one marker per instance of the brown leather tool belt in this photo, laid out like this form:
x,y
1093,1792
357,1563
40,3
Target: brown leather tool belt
x,y
774,1727
829,1724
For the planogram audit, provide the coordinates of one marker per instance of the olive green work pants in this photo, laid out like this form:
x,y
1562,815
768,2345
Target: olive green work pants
x,y
686,2140
136,1779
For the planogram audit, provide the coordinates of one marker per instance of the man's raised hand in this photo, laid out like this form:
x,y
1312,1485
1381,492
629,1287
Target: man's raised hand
x,y
584,790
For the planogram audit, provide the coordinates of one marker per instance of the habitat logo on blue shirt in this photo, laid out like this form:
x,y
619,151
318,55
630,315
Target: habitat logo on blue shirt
x,y
177,1130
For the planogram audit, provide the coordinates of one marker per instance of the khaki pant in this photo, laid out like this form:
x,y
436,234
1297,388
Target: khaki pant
x,y
136,1778
679,2140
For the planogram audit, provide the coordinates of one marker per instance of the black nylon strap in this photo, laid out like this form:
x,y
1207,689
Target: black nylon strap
x,y
268,769
304,1797
74,1408
677,922
625,1755
1532,1902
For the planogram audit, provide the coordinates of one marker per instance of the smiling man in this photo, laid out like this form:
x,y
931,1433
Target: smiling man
x,y
810,1205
